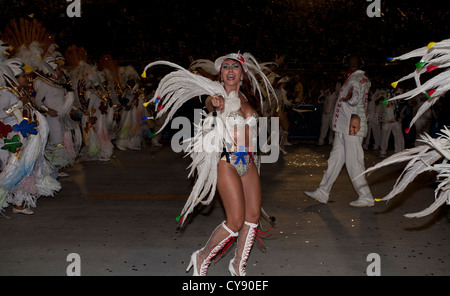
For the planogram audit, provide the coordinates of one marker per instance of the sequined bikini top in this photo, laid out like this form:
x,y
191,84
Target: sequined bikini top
x,y
236,126
236,119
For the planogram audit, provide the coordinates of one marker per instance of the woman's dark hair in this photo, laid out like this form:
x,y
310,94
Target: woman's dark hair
x,y
253,100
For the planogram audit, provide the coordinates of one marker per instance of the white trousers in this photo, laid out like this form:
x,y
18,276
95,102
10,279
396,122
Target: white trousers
x,y
327,120
346,150
374,128
399,140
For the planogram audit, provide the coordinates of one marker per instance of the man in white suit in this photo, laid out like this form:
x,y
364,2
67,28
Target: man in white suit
x,y
347,149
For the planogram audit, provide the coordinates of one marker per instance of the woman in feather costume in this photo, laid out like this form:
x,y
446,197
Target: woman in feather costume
x,y
223,150
435,154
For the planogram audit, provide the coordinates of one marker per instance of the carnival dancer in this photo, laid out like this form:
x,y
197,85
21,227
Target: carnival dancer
x,y
391,122
98,145
26,174
226,160
435,154
348,149
327,114
132,128
73,139
373,120
30,41
112,86
53,98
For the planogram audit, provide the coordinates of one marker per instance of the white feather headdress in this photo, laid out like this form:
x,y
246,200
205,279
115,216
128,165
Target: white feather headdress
x,y
254,73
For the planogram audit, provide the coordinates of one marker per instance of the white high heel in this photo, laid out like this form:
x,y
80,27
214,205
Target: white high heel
x,y
231,268
193,262
245,243
221,238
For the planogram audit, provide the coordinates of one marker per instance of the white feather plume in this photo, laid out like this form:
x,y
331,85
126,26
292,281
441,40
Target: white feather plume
x,y
433,56
423,158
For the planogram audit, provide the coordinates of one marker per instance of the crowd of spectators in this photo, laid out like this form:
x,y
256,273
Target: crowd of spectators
x,y
303,31
308,33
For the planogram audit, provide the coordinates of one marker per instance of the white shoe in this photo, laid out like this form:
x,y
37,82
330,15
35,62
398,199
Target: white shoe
x,y
361,203
284,151
193,263
316,196
231,268
287,143
24,211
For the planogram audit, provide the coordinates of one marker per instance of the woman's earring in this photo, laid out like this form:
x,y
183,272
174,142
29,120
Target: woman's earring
x,y
241,81
221,82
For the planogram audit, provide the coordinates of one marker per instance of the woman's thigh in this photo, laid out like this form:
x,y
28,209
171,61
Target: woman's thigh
x,y
231,191
252,194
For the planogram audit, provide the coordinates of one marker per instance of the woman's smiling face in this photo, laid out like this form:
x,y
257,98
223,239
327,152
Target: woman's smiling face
x,y
231,72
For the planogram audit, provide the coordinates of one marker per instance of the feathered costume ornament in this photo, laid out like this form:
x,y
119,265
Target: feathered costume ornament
x,y
29,41
35,46
435,154
211,136
25,174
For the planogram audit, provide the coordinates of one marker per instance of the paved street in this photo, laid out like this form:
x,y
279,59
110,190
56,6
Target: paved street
x,y
119,217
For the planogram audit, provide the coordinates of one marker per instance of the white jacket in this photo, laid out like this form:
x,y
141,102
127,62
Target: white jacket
x,y
357,104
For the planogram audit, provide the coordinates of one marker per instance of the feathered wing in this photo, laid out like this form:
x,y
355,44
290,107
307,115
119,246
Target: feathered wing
x,y
433,56
206,145
421,159
441,147
178,87
255,72
424,158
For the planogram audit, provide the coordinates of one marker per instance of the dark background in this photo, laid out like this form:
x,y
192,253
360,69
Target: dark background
x,y
306,32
